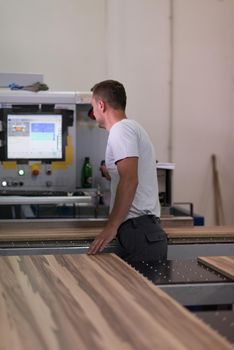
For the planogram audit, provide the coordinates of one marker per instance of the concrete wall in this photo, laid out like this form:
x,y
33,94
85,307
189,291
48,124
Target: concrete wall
x,y
179,78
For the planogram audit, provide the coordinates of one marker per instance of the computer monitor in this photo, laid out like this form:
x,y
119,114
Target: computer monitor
x,y
34,136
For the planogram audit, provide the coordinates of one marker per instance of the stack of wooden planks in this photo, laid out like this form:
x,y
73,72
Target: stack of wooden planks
x,y
92,302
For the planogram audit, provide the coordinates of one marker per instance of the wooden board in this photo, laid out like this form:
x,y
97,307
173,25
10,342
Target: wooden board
x,y
176,221
222,264
71,230
53,230
49,234
200,231
99,302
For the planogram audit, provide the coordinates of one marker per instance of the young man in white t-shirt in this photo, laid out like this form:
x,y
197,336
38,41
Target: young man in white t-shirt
x,y
131,165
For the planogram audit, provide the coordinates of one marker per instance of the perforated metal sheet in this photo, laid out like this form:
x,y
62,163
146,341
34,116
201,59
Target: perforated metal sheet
x,y
222,321
178,271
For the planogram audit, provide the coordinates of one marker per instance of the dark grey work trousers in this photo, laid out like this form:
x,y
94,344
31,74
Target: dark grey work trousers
x,y
142,239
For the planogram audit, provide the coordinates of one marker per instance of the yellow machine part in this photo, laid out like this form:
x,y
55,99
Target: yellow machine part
x,y
69,155
9,165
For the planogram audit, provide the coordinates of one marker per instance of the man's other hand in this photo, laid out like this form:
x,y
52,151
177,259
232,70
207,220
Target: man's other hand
x,y
104,172
101,241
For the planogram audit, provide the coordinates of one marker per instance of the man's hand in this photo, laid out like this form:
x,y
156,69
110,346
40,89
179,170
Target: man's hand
x,y
102,240
104,172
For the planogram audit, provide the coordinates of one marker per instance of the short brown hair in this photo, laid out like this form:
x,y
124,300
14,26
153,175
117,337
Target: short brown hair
x,y
112,92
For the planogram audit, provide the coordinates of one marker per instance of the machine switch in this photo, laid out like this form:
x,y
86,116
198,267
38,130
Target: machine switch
x,y
21,172
35,170
4,183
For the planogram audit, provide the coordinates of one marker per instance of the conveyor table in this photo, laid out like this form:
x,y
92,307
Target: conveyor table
x,y
189,282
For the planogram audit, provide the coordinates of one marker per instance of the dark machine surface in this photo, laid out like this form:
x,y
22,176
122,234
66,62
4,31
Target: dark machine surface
x,y
221,321
203,282
177,271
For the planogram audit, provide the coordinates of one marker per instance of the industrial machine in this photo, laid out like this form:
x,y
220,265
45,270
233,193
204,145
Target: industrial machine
x,y
44,139
38,141
39,166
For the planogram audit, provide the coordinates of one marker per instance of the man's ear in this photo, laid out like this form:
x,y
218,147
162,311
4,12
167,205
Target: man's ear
x,y
102,105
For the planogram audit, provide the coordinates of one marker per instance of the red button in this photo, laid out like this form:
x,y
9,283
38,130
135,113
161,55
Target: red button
x,y
35,172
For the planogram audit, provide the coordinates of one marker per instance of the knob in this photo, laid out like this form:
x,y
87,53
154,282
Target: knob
x,y
35,172
35,169
4,183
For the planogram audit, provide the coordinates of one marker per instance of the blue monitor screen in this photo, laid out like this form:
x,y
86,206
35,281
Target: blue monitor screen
x,y
34,136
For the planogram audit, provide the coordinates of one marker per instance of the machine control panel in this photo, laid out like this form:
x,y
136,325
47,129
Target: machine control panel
x,y
37,144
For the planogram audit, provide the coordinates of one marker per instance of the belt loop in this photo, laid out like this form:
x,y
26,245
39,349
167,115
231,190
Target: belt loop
x,y
155,219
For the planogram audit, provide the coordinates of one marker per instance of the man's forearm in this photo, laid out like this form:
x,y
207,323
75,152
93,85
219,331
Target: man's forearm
x,y
126,189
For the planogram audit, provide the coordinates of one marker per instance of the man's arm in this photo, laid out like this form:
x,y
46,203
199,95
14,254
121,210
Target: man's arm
x,y
126,189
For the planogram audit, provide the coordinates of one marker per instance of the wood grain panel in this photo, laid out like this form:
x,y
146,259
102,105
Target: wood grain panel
x,y
67,231
222,264
200,231
92,303
47,233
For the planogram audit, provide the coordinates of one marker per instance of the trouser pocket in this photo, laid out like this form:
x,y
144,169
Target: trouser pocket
x,y
154,233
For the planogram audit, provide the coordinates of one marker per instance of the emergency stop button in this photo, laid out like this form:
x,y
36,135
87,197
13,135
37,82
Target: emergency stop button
x,y
35,170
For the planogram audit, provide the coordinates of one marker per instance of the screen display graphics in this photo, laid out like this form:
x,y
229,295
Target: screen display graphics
x,y
34,136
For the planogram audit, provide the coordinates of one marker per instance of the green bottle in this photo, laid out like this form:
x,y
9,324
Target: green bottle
x,y
86,175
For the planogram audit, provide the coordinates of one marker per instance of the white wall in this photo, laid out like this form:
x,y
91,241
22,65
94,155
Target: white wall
x,y
203,110
64,40
139,55
76,43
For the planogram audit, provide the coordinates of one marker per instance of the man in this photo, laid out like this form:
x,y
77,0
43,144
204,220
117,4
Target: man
x,y
130,161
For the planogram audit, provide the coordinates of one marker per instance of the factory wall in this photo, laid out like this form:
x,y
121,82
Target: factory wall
x,y
174,57
203,103
64,40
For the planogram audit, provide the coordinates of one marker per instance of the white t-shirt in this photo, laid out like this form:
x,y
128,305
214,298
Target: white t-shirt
x,y
128,139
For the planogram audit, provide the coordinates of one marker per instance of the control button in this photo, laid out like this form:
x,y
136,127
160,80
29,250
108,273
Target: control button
x,y
21,183
35,172
21,172
14,184
49,172
4,183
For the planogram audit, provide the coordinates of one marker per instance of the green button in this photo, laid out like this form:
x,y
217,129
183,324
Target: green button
x,y
21,172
